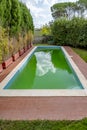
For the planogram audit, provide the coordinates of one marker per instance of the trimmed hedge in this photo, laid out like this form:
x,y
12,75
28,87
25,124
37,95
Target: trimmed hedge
x,y
15,17
16,27
70,32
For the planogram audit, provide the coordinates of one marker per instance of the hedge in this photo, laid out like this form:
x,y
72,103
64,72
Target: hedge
x,y
70,32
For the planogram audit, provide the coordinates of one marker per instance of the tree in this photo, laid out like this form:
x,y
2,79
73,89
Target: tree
x,y
2,10
26,19
83,2
83,5
70,32
15,17
69,9
7,14
16,23
45,30
4,49
61,10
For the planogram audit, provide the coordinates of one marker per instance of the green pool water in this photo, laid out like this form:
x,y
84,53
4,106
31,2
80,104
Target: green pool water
x,y
46,69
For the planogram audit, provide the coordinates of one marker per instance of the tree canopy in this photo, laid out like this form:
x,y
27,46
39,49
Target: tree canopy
x,y
69,9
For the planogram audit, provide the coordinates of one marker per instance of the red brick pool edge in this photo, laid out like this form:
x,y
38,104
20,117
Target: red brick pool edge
x,y
49,108
44,108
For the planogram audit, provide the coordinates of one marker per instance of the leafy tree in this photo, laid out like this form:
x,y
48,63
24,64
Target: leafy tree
x,y
45,30
69,9
63,10
59,31
83,3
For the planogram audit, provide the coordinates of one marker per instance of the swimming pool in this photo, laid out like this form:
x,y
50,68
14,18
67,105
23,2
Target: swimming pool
x,y
45,71
45,68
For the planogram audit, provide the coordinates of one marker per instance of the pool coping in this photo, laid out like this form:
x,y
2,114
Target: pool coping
x,y
47,92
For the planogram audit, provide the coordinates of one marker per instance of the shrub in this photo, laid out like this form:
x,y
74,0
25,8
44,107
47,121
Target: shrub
x,y
0,55
4,48
70,32
30,36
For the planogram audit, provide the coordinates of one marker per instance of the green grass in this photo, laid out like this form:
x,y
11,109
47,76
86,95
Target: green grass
x,y
44,44
82,53
43,125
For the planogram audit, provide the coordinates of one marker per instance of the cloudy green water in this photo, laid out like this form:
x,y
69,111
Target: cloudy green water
x,y
47,69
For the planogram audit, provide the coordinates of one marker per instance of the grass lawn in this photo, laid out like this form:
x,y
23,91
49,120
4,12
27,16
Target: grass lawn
x,y
44,125
45,44
82,53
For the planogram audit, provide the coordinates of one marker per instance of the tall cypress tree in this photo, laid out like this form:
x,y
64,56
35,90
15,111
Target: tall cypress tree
x,y
7,14
15,17
26,19
2,10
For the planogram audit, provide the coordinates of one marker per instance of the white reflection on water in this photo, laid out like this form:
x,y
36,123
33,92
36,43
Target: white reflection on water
x,y
44,63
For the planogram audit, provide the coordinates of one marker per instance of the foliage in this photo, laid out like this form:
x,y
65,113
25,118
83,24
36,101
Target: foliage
x,y
26,19
0,56
62,9
4,48
25,40
7,15
13,46
44,125
15,24
69,9
30,36
15,17
45,30
70,32
70,25
2,10
59,31
20,42
83,3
